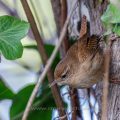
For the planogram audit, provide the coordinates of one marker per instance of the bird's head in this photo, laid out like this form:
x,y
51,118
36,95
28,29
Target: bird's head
x,y
62,73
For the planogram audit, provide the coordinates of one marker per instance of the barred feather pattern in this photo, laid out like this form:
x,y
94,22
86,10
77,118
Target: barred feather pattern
x,y
83,30
92,42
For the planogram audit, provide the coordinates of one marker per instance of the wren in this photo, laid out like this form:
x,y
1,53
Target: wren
x,y
82,67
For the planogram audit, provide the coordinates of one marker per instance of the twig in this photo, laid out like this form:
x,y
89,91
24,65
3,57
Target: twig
x,y
50,61
106,81
64,47
65,44
55,91
74,103
89,102
35,30
34,106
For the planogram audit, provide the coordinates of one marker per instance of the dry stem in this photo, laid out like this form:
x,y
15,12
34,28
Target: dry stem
x,y
64,47
50,61
106,81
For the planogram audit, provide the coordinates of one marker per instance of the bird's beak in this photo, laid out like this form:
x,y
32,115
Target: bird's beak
x,y
53,83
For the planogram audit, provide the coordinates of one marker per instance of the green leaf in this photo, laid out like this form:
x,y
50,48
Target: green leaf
x,y
31,47
109,28
5,92
43,110
49,49
43,105
12,30
116,29
112,14
100,1
20,101
43,101
44,114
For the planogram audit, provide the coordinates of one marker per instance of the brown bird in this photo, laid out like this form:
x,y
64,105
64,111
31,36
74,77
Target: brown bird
x,y
82,66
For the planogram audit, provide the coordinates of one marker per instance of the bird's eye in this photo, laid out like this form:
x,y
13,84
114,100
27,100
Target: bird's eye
x,y
63,76
65,73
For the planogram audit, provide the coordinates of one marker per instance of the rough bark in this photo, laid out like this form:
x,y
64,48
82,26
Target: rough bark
x,y
96,9
114,89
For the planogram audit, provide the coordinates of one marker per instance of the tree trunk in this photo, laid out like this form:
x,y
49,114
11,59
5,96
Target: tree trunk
x,y
114,89
96,9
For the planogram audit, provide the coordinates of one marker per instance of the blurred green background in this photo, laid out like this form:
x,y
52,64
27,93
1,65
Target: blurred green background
x,y
17,77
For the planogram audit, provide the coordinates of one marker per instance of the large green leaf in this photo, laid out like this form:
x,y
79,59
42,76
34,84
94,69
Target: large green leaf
x,y
111,19
116,29
112,14
20,101
43,110
12,30
5,92
44,101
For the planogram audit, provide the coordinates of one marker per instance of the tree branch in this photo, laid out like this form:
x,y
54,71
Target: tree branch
x,y
106,81
51,59
43,54
64,47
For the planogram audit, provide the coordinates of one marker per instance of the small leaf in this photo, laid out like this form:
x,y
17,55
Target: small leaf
x,y
109,28
12,30
100,1
112,14
5,92
116,29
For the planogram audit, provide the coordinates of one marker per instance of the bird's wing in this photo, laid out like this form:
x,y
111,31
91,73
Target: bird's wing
x,y
92,42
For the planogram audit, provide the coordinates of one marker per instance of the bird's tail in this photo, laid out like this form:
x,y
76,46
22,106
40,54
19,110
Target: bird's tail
x,y
83,30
